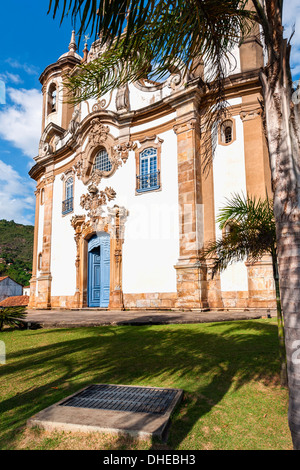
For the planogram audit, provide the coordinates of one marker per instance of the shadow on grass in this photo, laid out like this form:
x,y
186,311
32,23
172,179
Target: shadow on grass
x,y
204,360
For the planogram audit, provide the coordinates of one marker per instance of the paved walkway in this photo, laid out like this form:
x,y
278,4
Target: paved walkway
x,y
90,317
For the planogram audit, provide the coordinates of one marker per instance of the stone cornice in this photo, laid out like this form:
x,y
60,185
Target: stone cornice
x,y
242,84
58,66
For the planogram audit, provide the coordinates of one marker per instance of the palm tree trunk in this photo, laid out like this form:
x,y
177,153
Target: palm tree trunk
x,y
283,136
280,323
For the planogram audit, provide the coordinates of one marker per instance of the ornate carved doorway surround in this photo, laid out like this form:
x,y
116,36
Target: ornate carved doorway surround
x,y
113,224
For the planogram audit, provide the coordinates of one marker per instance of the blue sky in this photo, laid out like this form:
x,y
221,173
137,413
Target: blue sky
x,y
31,40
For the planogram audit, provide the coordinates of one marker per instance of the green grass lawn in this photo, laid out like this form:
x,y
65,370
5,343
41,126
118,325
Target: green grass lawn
x,y
228,371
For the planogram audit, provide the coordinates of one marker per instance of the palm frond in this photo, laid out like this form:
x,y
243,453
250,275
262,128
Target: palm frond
x,y
173,30
250,232
12,316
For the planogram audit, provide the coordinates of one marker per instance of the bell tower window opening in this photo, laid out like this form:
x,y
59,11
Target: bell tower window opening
x,y
227,132
52,99
40,259
228,135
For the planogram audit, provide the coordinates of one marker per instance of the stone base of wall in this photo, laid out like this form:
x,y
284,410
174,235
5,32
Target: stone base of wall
x,y
65,302
191,287
246,300
151,301
169,301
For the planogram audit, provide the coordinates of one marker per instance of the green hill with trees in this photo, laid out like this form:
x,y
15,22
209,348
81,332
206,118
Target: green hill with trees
x,y
16,248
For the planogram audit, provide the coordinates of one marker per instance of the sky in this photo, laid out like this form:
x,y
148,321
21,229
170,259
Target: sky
x,y
30,41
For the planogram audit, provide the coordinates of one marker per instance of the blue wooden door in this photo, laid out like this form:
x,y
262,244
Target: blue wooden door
x,y
99,271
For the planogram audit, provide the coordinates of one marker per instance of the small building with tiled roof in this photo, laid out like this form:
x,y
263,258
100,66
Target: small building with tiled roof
x,y
16,301
9,288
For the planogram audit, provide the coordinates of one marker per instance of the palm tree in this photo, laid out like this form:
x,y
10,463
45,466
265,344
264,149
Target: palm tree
x,y
249,232
179,34
12,316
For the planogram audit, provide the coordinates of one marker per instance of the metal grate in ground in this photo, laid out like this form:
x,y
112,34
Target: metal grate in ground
x,y
123,398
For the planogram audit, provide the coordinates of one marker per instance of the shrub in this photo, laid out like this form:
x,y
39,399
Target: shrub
x,y
12,316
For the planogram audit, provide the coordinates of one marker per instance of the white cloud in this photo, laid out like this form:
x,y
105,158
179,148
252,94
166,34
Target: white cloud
x,y
28,68
20,122
8,77
16,196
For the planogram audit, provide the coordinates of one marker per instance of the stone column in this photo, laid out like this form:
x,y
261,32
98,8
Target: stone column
x,y
251,48
256,152
77,223
191,274
33,281
45,278
116,301
261,284
214,294
261,287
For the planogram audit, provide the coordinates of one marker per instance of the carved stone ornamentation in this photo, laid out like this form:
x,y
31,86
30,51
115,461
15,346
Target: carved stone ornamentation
x,y
98,133
102,104
122,99
95,199
47,149
250,114
121,153
74,123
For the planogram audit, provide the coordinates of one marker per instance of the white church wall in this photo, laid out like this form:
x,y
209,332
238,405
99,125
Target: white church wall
x,y
63,247
230,178
151,245
154,123
233,64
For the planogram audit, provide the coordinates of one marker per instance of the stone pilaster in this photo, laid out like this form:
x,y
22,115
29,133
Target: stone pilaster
x,y
256,152
191,274
33,281
116,301
260,275
77,223
261,285
45,278
251,48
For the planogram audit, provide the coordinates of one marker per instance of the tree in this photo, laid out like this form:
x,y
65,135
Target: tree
x,y
179,33
248,232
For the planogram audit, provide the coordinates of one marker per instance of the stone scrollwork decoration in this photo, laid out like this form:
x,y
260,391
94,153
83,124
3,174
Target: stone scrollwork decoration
x,y
99,138
47,149
98,133
122,99
121,153
117,216
74,123
95,199
102,104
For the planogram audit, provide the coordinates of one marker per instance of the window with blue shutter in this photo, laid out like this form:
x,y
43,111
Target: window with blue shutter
x,y
149,177
67,205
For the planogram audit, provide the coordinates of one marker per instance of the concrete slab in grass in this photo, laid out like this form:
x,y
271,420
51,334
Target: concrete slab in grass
x,y
142,412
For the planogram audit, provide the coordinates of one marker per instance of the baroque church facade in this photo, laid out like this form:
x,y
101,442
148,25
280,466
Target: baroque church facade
x,y
123,206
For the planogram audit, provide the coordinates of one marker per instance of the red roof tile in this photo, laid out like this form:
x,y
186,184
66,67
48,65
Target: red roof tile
x,y
2,278
17,301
